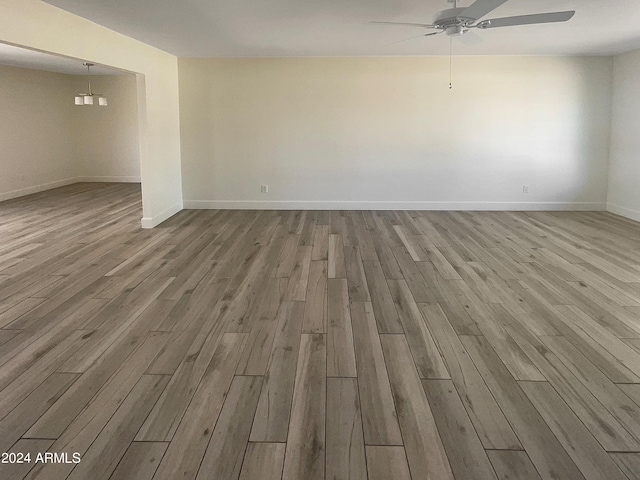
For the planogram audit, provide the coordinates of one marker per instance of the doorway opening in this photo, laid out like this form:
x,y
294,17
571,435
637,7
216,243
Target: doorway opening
x,y
51,144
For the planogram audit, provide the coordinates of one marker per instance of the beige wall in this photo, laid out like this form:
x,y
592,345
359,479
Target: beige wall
x,y
624,174
46,141
34,24
387,132
108,148
37,146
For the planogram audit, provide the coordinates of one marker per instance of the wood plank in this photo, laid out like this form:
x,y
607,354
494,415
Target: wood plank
x,y
224,454
356,278
493,320
263,460
633,343
425,353
320,243
435,256
544,449
188,445
21,418
384,309
305,452
385,255
387,462
608,344
345,454
120,327
42,363
6,335
466,455
427,228
100,389
610,395
632,391
15,312
83,431
336,266
341,360
286,261
140,461
163,420
585,451
246,290
462,323
592,348
297,287
201,322
416,420
417,254
629,463
101,459
306,235
485,414
600,422
420,289
30,446
363,239
379,418
315,312
271,420
512,465
257,350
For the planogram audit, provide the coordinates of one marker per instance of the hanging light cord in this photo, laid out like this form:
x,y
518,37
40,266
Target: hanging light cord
x,y
450,61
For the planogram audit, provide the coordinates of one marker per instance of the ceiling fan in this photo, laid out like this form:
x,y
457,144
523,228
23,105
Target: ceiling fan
x,y
458,21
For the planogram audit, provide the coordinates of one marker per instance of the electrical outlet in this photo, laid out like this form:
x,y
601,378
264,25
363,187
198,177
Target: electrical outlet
x,y
525,189
264,188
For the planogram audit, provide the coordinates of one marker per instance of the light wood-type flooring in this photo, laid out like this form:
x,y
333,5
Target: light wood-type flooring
x,y
308,345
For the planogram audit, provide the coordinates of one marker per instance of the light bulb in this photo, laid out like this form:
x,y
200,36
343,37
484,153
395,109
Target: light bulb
x,y
88,100
79,101
102,101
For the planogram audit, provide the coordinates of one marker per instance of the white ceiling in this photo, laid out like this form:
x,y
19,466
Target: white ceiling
x,y
25,58
219,28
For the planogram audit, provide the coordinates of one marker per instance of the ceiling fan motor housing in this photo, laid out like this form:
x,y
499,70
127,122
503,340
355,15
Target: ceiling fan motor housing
x,y
452,17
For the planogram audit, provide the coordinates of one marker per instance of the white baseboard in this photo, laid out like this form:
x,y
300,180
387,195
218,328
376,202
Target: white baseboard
x,y
151,222
624,212
359,205
109,179
21,192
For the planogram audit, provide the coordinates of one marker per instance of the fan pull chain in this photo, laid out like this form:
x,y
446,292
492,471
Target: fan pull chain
x,y
450,61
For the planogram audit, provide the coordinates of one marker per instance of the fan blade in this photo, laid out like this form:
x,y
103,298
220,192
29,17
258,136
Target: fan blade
x,y
480,8
526,19
470,39
424,25
412,38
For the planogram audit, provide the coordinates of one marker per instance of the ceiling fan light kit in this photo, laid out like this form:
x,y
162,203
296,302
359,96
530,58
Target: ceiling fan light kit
x,y
458,21
87,98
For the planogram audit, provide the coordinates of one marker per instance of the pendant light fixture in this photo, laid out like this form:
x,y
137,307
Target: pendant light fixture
x,y
87,98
